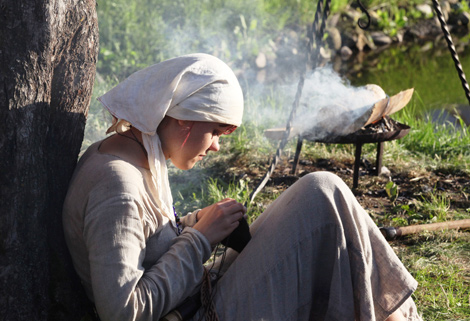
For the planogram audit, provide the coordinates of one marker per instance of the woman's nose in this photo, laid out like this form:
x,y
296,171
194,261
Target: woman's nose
x,y
215,144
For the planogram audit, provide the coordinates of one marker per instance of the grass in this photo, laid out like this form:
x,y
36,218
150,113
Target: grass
x,y
439,261
447,141
134,34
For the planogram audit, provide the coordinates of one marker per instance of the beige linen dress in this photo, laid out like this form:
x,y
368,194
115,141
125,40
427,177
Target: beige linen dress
x,y
314,254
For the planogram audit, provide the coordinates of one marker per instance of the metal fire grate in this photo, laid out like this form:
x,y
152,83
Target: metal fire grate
x,y
359,138
388,130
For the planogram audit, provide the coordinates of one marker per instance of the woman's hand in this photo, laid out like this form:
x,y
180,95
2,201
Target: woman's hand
x,y
217,221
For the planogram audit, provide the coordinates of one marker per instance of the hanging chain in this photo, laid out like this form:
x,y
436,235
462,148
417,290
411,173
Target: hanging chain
x,y
311,58
452,50
364,11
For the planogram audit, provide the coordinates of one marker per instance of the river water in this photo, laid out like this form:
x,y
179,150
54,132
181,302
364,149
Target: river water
x,y
430,70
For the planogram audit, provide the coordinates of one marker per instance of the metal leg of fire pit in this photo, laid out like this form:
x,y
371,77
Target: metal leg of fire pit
x,y
357,163
357,160
297,155
378,162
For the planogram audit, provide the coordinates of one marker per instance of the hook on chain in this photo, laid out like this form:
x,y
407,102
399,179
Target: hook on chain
x,y
364,11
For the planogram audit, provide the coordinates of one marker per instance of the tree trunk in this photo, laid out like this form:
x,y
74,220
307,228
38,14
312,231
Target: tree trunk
x,y
48,54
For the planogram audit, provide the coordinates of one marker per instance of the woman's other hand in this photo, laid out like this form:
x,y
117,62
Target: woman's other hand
x,y
217,221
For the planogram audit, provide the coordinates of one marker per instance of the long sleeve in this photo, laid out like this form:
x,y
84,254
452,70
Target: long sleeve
x,y
189,220
128,256
122,288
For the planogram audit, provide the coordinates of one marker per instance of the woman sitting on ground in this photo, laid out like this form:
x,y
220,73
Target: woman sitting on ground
x,y
314,254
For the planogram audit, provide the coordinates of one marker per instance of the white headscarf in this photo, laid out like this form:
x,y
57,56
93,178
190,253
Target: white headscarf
x,y
196,87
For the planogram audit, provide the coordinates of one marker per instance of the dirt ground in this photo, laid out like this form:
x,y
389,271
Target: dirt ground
x,y
413,187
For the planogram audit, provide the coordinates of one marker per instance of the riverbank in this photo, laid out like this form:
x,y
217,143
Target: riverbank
x,y
407,25
347,45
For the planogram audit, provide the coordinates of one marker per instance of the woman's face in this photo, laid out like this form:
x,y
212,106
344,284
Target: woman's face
x,y
194,141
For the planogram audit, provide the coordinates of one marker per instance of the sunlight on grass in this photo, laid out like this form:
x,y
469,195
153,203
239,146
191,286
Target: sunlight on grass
x,y
443,142
440,263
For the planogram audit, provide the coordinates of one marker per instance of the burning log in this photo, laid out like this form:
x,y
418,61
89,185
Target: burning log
x,y
391,233
383,126
389,106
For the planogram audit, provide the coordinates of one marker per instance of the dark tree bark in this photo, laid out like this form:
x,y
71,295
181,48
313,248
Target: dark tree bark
x,y
48,54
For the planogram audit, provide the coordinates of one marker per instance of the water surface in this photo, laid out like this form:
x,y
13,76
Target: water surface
x,y
429,70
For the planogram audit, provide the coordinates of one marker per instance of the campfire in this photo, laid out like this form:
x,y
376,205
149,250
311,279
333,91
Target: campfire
x,y
374,125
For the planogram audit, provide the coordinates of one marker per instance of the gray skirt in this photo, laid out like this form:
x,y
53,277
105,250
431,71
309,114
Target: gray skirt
x,y
315,254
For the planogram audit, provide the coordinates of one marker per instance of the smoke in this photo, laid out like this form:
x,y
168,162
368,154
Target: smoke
x,y
331,107
235,34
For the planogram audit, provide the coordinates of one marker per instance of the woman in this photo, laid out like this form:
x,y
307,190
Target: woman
x,y
314,253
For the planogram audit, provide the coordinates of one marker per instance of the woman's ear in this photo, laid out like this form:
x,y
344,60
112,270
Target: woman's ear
x,y
182,122
185,125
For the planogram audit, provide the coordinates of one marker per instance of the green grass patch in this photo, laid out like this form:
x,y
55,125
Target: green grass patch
x,y
440,263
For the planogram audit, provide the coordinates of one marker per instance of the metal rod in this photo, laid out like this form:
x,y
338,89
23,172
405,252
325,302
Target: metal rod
x,y
364,10
357,164
452,50
300,86
319,32
378,159
297,155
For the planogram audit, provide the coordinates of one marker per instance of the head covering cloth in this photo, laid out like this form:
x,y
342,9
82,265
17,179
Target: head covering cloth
x,y
196,87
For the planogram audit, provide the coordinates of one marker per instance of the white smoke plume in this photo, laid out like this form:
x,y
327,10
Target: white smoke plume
x,y
331,107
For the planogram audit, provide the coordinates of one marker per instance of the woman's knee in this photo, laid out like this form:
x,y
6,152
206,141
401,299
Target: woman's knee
x,y
321,194
308,195
321,180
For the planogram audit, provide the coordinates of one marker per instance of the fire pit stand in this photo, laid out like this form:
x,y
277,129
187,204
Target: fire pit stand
x,y
357,159
358,138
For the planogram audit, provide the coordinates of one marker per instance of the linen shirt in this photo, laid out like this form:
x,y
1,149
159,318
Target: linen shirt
x,y
128,256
